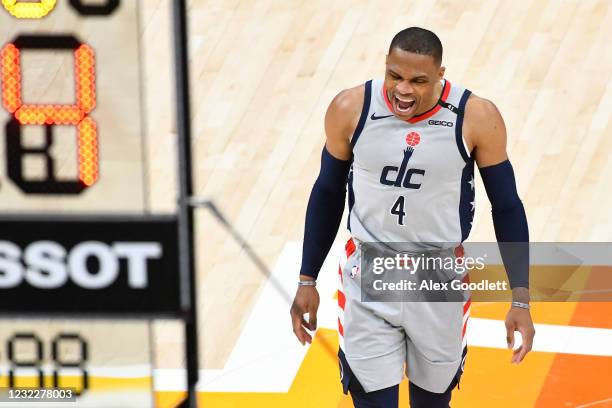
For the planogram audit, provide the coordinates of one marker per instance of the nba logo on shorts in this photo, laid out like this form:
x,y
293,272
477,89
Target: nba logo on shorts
x,y
354,271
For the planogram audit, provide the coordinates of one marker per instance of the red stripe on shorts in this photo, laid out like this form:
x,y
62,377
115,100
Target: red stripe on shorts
x,y
340,328
466,306
350,247
341,300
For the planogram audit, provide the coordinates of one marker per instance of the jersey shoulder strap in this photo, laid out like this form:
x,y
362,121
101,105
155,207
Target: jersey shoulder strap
x,y
367,97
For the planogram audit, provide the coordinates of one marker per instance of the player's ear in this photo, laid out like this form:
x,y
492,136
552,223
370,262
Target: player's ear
x,y
441,71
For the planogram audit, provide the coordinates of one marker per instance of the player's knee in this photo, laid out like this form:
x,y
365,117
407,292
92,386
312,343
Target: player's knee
x,y
421,398
385,398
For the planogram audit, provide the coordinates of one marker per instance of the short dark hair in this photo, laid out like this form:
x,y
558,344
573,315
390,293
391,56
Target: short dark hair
x,y
420,41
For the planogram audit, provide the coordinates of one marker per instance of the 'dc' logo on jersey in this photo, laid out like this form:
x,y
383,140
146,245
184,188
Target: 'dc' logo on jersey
x,y
402,176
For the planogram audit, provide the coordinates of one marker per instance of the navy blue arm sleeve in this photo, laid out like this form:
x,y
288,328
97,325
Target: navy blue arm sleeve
x,y
509,221
324,212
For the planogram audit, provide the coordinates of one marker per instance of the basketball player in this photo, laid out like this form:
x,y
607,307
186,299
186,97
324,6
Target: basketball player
x,y
405,146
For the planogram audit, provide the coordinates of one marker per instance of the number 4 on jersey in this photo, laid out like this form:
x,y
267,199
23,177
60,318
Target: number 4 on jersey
x,y
398,209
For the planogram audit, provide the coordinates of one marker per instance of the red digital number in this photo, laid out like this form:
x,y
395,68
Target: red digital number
x,y
51,115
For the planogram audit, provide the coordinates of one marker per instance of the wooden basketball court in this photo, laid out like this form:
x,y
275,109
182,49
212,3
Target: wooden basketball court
x,y
262,75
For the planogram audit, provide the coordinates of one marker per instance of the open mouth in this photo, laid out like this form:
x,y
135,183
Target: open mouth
x,y
404,106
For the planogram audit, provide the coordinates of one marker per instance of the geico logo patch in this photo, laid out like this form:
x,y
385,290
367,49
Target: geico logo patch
x,y
440,123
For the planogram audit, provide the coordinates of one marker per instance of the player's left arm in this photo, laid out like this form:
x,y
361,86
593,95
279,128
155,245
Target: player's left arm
x,y
486,131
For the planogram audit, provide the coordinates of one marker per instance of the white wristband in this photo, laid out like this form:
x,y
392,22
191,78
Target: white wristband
x,y
521,305
307,283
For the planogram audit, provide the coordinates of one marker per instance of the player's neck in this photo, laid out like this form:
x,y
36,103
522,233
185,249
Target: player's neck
x,y
437,94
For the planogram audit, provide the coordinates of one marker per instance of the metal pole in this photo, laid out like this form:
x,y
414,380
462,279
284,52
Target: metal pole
x,y
185,210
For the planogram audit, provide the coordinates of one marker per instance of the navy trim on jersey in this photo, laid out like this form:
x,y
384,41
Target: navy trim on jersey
x,y
459,125
351,197
345,371
467,197
364,112
461,367
360,125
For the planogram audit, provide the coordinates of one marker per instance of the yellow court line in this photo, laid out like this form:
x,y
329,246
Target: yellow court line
x,y
95,383
489,378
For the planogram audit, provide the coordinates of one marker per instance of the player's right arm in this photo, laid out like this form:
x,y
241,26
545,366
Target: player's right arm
x,y
326,204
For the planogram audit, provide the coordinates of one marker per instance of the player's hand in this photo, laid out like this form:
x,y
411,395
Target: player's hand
x,y
306,301
519,319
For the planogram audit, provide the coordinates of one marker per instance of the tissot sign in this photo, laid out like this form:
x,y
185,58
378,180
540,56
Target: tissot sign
x,y
102,265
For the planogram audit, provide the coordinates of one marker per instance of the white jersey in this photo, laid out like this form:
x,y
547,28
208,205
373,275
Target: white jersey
x,y
411,182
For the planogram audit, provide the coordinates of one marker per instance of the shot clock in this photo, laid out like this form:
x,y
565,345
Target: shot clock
x,y
71,114
79,255
50,116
